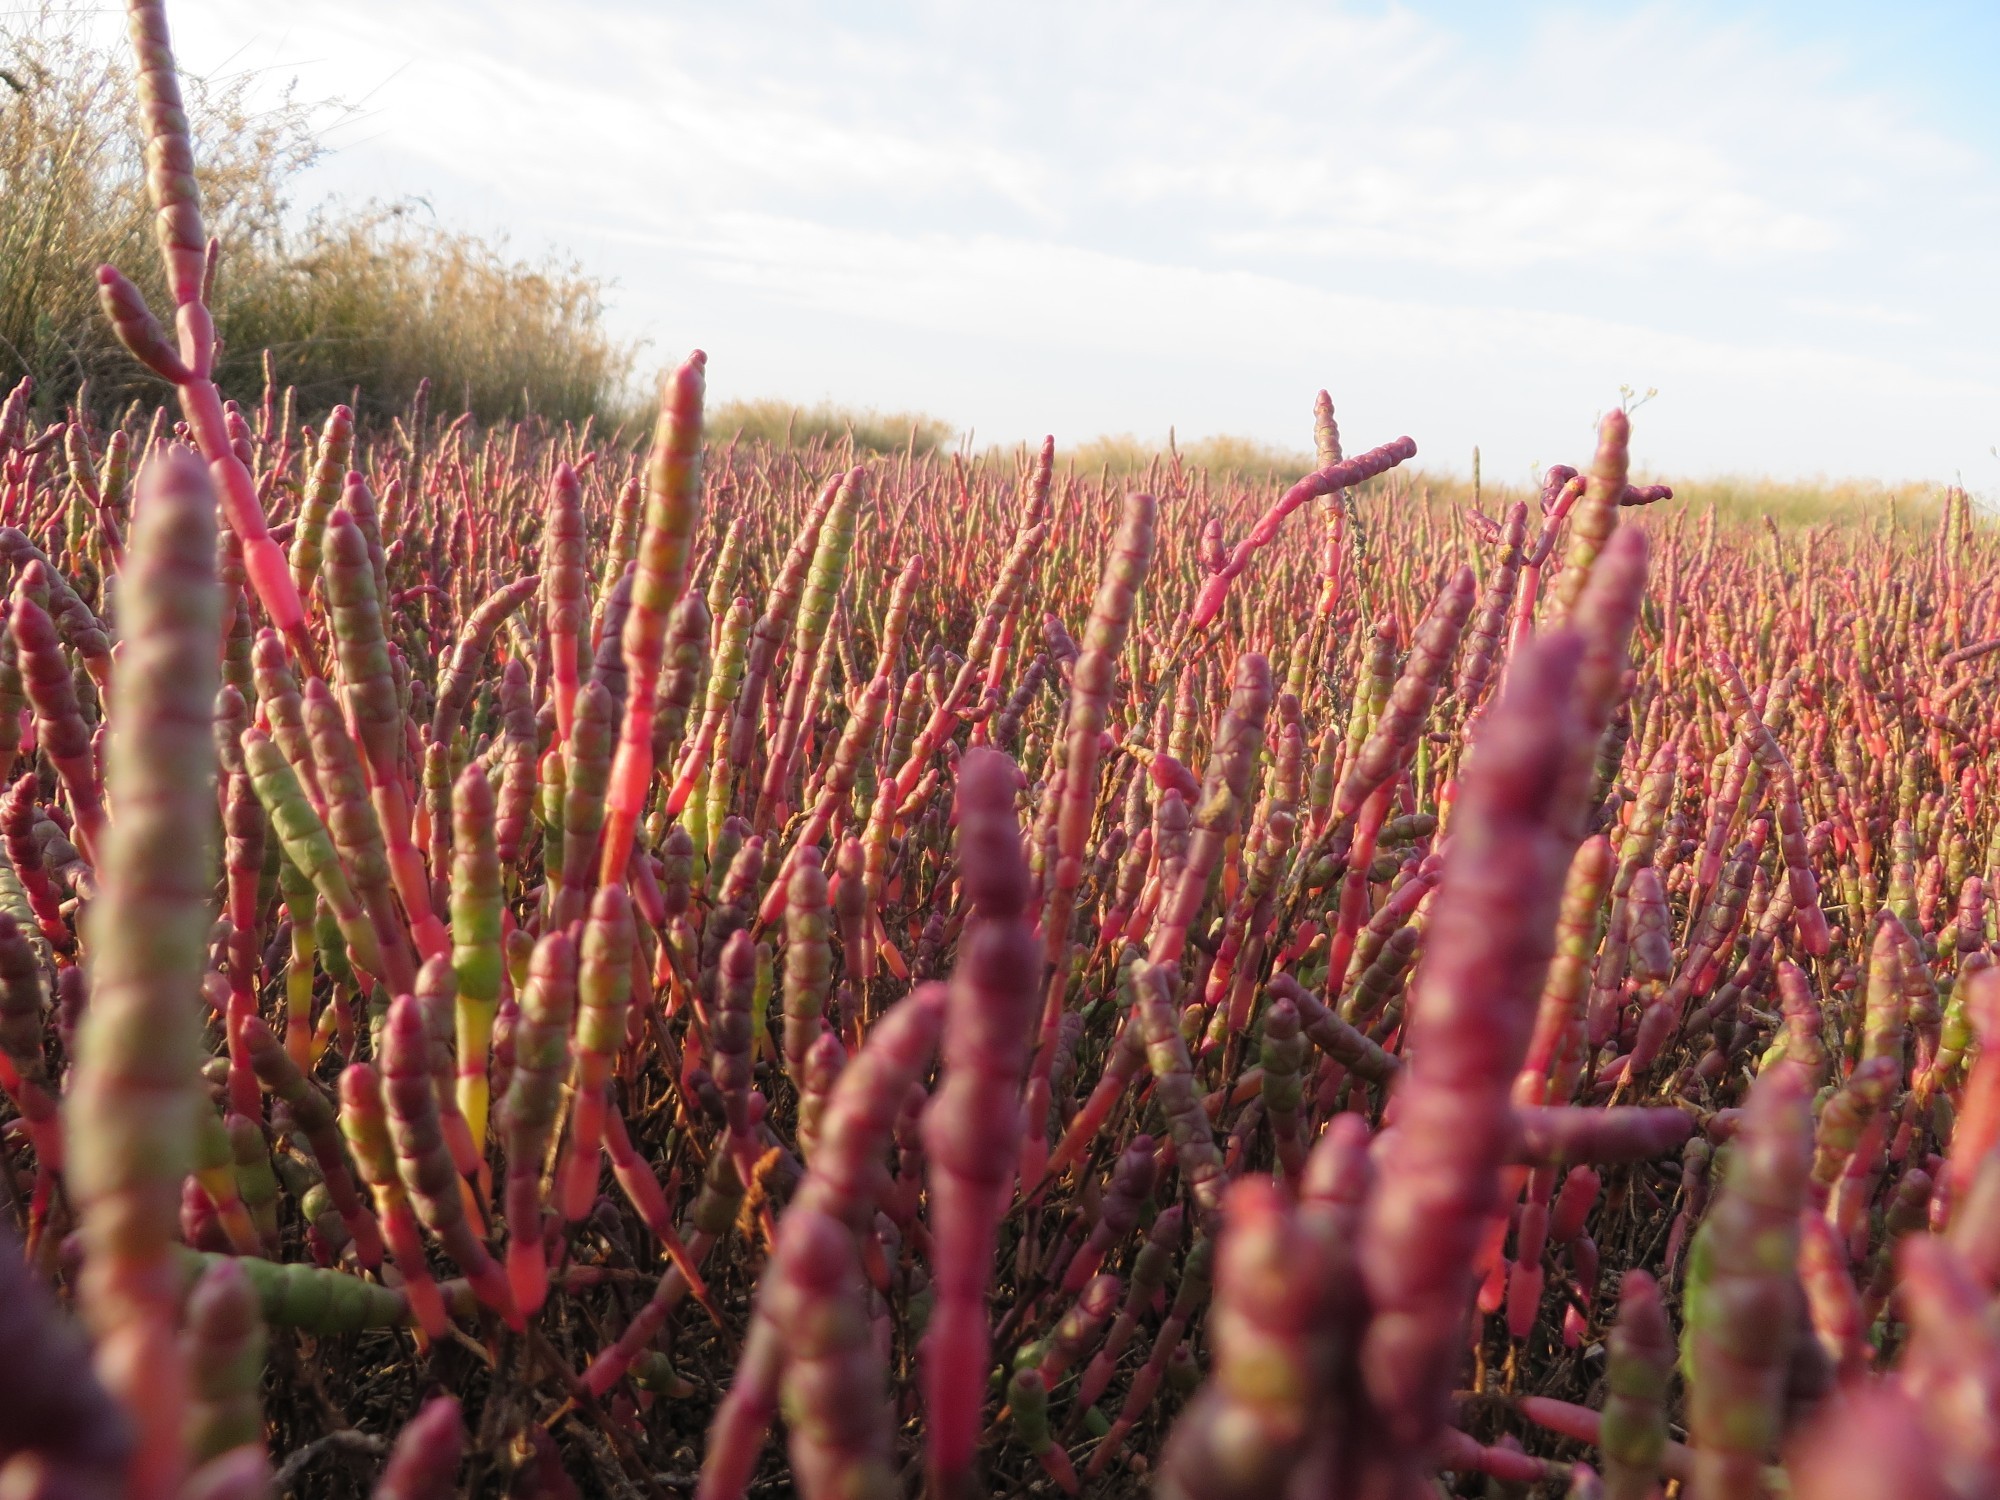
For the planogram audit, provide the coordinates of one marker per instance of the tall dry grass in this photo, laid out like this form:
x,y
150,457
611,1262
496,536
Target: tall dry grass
x,y
783,424
1810,502
1751,500
1222,456
378,296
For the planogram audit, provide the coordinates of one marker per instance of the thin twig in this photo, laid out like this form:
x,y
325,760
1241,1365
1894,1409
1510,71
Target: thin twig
x,y
344,1440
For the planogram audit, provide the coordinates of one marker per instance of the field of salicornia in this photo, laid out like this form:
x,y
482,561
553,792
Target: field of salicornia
x,y
538,965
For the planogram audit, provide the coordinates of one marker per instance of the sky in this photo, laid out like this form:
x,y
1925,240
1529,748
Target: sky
x,y
1471,222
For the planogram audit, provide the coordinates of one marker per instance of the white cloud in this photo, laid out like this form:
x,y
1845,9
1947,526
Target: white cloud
x,y
1124,215
1856,312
